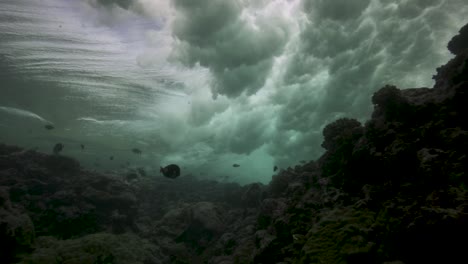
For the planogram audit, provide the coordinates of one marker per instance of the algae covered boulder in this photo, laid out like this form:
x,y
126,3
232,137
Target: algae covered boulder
x,y
95,248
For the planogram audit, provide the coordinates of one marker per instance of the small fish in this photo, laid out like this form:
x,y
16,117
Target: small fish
x,y
136,151
298,237
58,147
111,157
235,165
82,147
170,171
275,168
303,161
49,127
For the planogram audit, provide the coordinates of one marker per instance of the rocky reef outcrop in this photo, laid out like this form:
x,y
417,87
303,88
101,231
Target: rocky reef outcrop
x,y
392,190
50,195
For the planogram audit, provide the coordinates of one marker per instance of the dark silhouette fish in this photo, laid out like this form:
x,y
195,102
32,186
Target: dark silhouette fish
x,y
49,127
171,171
275,168
111,157
136,151
82,147
58,147
235,165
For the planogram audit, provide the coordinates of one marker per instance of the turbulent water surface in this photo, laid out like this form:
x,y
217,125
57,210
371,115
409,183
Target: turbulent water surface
x,y
207,85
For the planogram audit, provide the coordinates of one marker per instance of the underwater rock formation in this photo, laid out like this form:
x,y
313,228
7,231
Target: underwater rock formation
x,y
50,195
458,44
395,188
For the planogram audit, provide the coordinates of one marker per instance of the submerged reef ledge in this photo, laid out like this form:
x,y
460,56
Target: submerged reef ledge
x,y
392,190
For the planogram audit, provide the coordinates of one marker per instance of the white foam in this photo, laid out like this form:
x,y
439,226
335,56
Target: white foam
x,y
23,113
